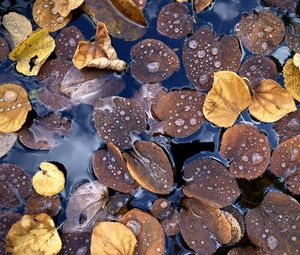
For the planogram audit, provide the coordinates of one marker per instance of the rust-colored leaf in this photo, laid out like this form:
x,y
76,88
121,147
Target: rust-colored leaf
x,y
4,49
292,37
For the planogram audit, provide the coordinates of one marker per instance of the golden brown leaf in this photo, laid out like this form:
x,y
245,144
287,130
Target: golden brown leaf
x,y
14,107
271,102
291,75
200,5
99,53
112,238
296,60
32,53
33,235
49,181
64,7
227,99
18,33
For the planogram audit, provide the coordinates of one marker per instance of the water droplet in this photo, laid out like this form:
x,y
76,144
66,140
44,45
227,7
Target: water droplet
x,y
295,154
294,124
214,50
201,53
272,242
193,44
209,187
294,238
153,67
193,121
253,68
217,64
60,19
179,122
245,158
128,179
260,34
256,158
204,78
10,96
175,15
268,29
176,30
264,46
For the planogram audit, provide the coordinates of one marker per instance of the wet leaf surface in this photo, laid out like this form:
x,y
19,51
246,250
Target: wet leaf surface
x,y
248,149
140,3
149,165
248,250
33,234
15,185
204,54
180,112
110,168
286,163
174,21
160,208
64,7
116,206
222,107
260,32
210,181
7,141
170,224
4,49
153,61
273,225
292,37
85,206
116,118
200,5
283,4
76,244
291,75
148,231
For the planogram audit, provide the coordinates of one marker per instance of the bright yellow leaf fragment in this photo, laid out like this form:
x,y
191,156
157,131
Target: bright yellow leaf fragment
x,y
291,75
49,180
64,7
32,53
18,26
33,235
296,60
99,54
112,238
228,97
271,102
14,107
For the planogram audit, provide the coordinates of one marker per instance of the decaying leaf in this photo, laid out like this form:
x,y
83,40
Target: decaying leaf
x,y
49,180
291,75
32,53
18,26
7,141
14,107
296,60
227,99
270,102
112,238
99,53
33,234
64,7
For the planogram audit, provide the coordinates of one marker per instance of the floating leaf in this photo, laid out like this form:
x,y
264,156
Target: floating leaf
x,y
270,102
274,224
49,180
160,208
46,15
222,106
4,49
64,7
32,53
291,75
99,54
33,234
7,141
283,4
292,37
200,5
18,33
76,243
140,3
248,250
296,60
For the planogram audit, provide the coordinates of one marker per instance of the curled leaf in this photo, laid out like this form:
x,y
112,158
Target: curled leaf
x,y
112,238
99,53
64,7
49,180
291,75
271,102
33,234
227,99
32,53
200,5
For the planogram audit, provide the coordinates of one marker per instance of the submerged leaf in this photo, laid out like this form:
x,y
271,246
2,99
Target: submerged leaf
x,y
291,75
227,99
64,7
32,53
99,53
271,102
33,234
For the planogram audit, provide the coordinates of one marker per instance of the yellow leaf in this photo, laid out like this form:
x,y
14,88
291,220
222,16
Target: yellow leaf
x,y
18,33
112,238
32,53
99,53
271,102
49,180
296,60
33,235
14,107
291,75
227,99
64,7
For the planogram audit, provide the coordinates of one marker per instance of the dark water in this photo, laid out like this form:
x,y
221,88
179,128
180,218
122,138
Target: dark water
x,y
75,151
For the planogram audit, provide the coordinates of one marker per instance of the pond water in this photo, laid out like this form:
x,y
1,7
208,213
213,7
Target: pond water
x,y
76,150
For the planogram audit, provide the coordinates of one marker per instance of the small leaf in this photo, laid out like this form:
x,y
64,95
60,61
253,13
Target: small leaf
x,y
296,60
271,102
49,181
64,7
7,141
112,238
32,53
291,75
227,99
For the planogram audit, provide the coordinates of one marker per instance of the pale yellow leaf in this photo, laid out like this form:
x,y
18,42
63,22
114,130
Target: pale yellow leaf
x,y
64,7
291,75
296,60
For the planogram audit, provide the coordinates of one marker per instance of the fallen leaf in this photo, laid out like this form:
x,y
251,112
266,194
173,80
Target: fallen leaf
x,y
18,33
291,74
289,5
14,107
296,60
76,243
227,99
112,238
49,180
33,234
7,141
200,5
32,53
270,102
99,53
64,7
